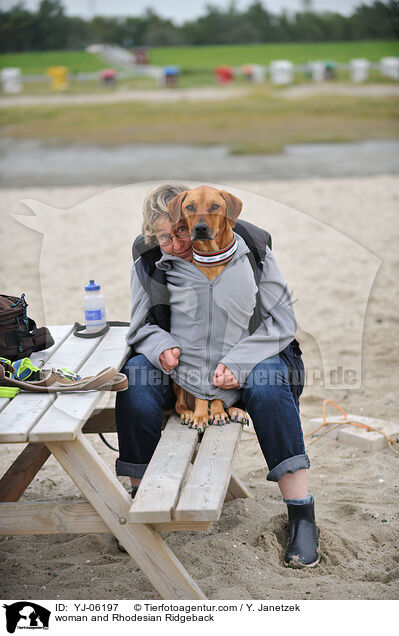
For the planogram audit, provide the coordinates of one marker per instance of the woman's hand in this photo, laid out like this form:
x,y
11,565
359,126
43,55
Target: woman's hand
x,y
169,358
224,378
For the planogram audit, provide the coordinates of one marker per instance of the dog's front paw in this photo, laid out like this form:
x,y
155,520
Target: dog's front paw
x,y
188,418
238,415
219,419
217,414
200,423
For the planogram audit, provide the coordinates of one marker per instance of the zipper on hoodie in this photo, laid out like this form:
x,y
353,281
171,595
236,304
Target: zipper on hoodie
x,y
208,341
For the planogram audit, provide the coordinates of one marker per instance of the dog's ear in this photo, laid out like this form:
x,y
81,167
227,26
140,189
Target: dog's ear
x,y
233,206
174,206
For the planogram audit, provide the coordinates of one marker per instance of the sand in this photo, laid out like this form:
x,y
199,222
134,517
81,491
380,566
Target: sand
x,y
336,88
198,94
348,315
126,95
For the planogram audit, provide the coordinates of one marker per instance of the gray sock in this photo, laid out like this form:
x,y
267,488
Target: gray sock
x,y
299,502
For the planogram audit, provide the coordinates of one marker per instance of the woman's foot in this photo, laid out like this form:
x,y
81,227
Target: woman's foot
x,y
303,545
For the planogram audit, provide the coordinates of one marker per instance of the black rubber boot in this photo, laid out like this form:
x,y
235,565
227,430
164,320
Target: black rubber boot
x,y
133,492
119,545
303,546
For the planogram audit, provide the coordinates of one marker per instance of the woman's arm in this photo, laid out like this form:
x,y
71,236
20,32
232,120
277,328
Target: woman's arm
x,y
147,339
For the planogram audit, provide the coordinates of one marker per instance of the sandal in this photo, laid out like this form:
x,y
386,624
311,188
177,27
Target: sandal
x,y
116,381
61,380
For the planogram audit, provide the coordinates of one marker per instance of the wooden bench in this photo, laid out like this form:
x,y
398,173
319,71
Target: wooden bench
x,y
183,488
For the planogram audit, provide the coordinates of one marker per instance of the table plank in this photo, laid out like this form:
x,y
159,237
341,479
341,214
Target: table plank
x,y
160,487
204,492
59,333
50,517
64,419
26,409
75,517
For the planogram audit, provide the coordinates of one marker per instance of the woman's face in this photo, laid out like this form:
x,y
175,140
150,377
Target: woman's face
x,y
181,247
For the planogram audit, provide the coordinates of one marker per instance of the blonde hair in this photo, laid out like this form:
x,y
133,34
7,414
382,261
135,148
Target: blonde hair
x,y
155,206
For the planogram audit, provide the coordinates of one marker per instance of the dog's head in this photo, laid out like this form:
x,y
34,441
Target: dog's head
x,y
207,211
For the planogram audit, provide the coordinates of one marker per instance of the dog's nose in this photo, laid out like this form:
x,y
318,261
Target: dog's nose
x,y
201,231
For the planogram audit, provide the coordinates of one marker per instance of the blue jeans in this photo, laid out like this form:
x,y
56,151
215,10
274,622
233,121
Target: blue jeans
x,y
266,396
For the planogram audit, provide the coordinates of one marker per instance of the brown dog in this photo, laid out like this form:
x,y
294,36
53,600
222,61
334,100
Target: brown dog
x,y
210,215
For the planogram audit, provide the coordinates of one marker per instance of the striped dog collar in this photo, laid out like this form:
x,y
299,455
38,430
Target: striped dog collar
x,y
216,258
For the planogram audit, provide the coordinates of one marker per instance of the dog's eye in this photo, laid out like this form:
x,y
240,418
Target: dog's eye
x,y
190,207
215,206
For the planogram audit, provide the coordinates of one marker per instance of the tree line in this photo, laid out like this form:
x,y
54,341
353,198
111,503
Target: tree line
x,y
49,28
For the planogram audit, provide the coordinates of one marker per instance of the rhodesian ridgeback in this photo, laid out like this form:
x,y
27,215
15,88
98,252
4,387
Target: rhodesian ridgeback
x,y
210,215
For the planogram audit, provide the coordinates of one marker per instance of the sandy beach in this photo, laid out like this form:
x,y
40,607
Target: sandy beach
x,y
336,243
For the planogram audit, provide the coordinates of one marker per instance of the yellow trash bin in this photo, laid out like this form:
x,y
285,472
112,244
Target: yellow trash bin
x,y
58,76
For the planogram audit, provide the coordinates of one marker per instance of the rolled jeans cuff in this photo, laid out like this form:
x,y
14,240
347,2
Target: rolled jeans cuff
x,y
290,465
126,469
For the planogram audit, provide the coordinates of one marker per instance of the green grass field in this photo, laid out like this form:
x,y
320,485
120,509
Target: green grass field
x,y
37,63
260,122
206,58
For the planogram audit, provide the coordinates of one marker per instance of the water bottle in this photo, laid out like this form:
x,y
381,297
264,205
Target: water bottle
x,y
94,307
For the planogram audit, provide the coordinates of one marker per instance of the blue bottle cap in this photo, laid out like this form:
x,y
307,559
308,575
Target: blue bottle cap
x,y
92,286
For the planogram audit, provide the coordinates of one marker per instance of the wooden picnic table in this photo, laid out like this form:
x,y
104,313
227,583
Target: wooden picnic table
x,y
183,488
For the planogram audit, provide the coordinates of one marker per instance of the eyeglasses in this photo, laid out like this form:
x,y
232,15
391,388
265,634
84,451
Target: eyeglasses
x,y
165,239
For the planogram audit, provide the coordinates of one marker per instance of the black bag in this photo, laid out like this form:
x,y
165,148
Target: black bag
x,y
19,336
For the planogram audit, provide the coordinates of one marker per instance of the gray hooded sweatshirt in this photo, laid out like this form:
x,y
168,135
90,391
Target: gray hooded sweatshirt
x,y
209,321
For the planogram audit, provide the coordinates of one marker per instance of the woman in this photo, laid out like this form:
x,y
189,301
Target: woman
x,y
264,390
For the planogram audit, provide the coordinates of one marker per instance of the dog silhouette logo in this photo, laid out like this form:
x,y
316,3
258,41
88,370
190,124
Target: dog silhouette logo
x,y
26,615
341,262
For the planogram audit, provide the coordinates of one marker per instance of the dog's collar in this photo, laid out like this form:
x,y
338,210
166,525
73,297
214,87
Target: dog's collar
x,y
216,258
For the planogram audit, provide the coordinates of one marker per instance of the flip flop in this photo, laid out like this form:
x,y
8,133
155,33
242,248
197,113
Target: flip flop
x,y
57,381
118,382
